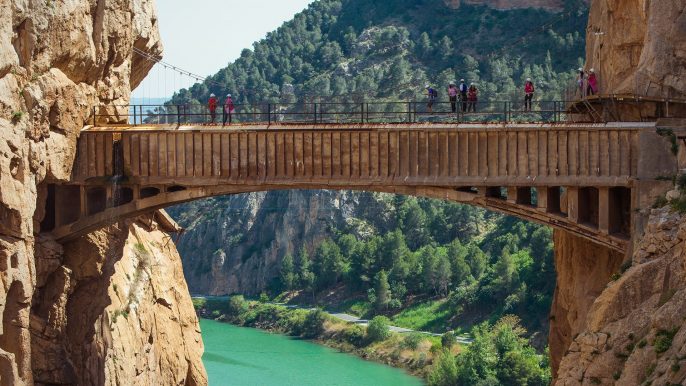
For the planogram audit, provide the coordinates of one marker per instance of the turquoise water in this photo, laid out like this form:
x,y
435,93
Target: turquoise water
x,y
245,357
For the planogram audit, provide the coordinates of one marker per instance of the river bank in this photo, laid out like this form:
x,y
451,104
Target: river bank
x,y
413,352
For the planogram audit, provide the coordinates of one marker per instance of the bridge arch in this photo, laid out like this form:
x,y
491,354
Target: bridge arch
x,y
582,178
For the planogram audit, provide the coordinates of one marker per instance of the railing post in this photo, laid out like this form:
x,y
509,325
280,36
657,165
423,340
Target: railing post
x,y
269,113
315,113
178,115
134,115
367,112
94,118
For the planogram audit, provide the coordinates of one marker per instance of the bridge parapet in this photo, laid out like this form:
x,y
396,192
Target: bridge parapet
x,y
579,177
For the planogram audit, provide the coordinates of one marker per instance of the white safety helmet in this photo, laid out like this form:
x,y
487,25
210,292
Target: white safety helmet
x,y
228,95
462,80
528,79
591,70
211,95
427,86
580,69
472,84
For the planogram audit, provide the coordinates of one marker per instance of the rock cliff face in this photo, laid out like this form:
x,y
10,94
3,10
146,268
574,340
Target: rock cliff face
x,y
115,311
638,46
58,59
635,331
238,244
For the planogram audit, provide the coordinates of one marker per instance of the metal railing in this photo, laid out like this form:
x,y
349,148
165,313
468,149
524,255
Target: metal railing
x,y
336,113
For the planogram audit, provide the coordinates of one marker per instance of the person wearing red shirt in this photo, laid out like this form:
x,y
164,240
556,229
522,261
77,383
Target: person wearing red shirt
x,y
529,94
212,106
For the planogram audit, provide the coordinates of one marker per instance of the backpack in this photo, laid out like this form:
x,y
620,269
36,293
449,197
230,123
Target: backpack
x,y
434,93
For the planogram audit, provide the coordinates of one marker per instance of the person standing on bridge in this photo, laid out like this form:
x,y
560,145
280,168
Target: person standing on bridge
x,y
592,88
432,94
229,109
580,79
472,97
212,105
528,94
463,94
452,93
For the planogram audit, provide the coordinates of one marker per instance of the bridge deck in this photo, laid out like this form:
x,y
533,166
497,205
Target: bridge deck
x,y
584,178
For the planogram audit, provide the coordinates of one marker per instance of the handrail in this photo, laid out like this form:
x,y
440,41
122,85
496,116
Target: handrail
x,y
410,111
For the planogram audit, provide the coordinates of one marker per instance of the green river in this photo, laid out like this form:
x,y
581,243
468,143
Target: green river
x,y
246,356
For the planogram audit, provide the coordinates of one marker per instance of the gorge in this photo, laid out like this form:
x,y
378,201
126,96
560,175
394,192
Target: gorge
x,y
107,307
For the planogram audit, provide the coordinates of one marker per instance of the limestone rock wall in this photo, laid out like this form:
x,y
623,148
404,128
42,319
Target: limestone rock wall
x,y
583,270
635,330
115,311
59,59
642,46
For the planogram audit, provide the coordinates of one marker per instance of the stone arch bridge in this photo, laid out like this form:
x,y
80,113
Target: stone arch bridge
x,y
587,179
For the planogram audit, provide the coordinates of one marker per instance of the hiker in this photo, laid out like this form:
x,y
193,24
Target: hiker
x,y
463,94
452,93
229,109
580,81
472,97
529,94
431,94
212,105
592,88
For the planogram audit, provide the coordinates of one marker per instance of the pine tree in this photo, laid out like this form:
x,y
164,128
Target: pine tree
x,y
288,277
382,291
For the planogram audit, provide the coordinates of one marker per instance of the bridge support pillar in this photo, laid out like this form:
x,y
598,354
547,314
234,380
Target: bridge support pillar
x,y
573,203
542,198
604,210
512,194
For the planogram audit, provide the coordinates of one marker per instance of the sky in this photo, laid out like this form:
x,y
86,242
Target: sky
x,y
204,36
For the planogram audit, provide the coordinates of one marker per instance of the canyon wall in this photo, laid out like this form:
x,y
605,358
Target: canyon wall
x,y
59,59
635,331
638,46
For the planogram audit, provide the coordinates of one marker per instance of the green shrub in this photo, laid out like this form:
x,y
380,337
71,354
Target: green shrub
x,y
313,325
264,298
412,340
16,116
675,367
663,340
642,343
448,339
199,303
444,370
354,335
377,330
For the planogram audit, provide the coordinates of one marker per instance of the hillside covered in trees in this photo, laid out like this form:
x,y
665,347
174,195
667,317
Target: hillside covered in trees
x,y
362,50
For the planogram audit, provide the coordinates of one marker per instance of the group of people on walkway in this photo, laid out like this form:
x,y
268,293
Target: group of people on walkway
x,y
228,108
469,96
587,82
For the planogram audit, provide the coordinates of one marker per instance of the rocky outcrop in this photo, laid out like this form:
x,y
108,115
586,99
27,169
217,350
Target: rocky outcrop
x,y
115,311
583,270
635,330
57,61
238,244
638,46
503,5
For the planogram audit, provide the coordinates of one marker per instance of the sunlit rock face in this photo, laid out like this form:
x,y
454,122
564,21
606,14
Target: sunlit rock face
x,y
635,331
59,59
638,47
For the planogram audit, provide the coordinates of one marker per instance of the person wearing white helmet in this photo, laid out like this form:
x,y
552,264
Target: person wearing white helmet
x,y
528,94
212,106
452,93
472,97
229,109
580,81
463,94
592,87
